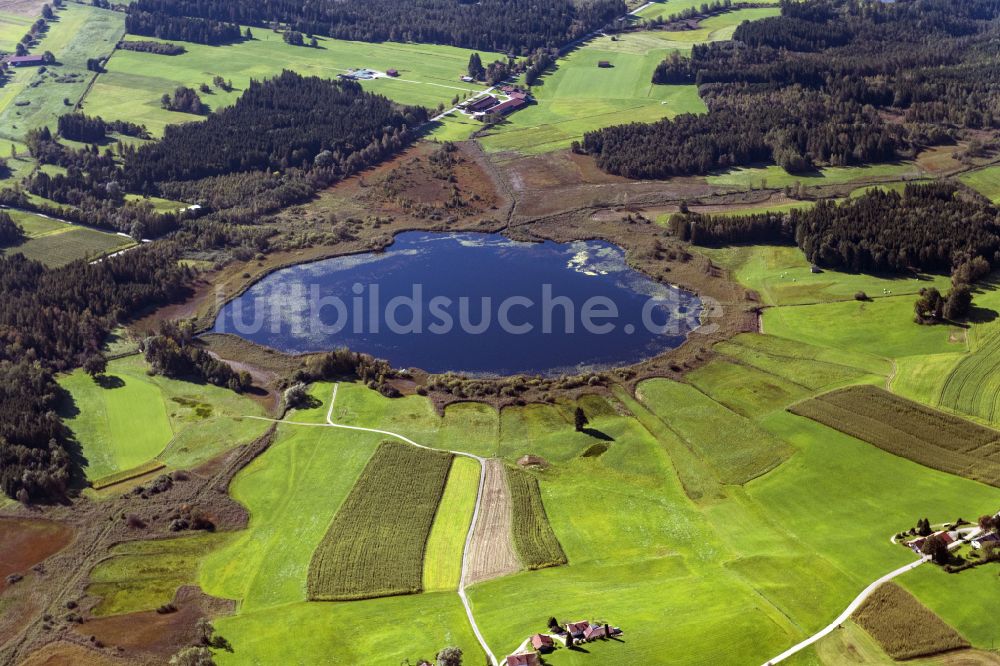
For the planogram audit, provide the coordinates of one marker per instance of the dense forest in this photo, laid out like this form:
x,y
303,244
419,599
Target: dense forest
x,y
934,227
52,320
805,89
507,26
312,131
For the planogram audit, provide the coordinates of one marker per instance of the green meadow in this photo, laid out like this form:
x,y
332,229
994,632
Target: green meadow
x,y
775,176
782,276
578,96
985,181
666,8
35,97
56,243
443,556
12,28
133,418
135,81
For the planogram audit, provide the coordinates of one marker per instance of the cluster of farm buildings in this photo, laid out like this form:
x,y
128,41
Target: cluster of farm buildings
x,y
976,537
490,104
574,632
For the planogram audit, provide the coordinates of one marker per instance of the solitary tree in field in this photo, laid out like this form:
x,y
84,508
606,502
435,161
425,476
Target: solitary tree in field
x,y
580,419
476,69
449,656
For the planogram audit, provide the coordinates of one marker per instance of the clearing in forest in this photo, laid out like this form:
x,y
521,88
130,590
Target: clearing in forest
x,y
491,552
375,545
910,430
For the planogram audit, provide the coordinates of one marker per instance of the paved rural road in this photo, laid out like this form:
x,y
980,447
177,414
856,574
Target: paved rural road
x,y
847,612
475,513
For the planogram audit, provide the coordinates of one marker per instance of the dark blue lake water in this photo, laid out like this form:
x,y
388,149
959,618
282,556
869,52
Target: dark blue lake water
x,y
478,304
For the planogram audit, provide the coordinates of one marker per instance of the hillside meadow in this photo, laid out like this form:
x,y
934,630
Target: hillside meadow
x,y
135,81
577,96
35,97
740,570
129,418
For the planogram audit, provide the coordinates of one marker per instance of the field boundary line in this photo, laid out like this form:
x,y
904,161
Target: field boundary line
x,y
475,513
853,606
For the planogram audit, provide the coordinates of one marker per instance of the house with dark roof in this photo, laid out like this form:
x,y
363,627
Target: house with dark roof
x,y
542,642
524,659
511,105
481,104
594,631
576,629
604,64
26,60
392,72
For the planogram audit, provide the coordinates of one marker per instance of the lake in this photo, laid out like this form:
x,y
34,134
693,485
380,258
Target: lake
x,y
477,304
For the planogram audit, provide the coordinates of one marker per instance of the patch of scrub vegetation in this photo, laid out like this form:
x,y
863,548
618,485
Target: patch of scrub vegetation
x,y
35,97
910,430
903,626
536,544
144,575
375,545
577,96
126,418
595,450
732,445
445,545
985,181
781,275
135,81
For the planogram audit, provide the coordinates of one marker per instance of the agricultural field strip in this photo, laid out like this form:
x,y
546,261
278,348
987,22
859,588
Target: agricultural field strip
x,y
475,513
843,617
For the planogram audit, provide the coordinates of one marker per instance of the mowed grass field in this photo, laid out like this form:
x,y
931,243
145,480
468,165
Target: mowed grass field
x,y
906,428
578,96
985,181
134,82
443,555
134,418
781,275
12,28
668,7
35,98
764,177
375,544
56,243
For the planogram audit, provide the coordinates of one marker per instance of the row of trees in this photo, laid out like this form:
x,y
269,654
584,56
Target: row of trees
x,y
94,129
804,89
508,26
11,233
144,46
932,227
